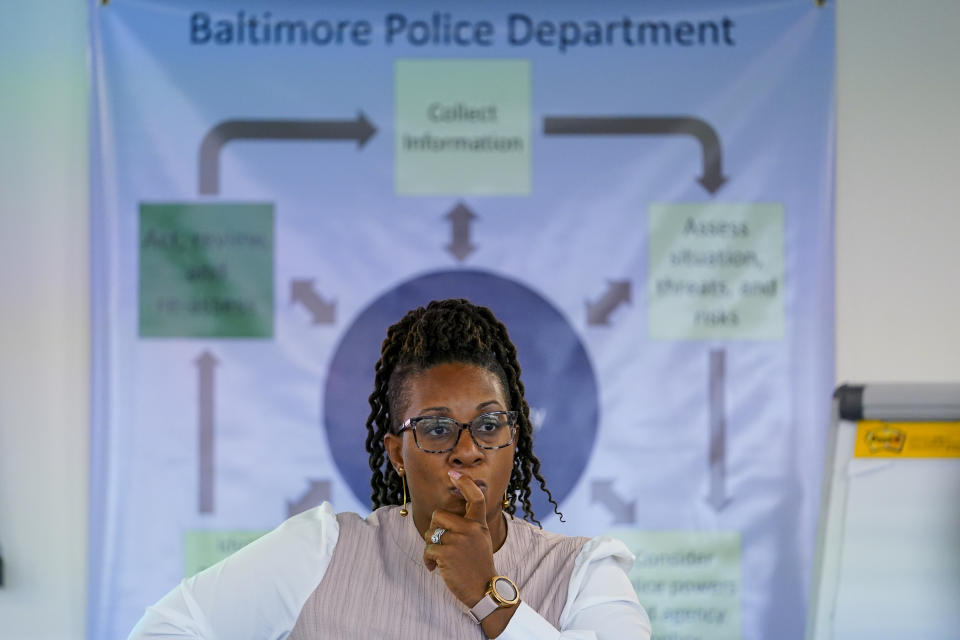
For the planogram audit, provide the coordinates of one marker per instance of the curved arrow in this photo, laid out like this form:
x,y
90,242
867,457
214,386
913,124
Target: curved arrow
x,y
712,178
359,129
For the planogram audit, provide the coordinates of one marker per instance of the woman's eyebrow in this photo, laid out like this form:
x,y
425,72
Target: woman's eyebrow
x,y
427,410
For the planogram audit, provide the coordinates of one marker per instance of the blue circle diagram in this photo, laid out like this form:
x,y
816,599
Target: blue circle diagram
x,y
560,385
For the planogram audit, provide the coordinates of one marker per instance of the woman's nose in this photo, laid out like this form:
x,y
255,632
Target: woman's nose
x,y
466,452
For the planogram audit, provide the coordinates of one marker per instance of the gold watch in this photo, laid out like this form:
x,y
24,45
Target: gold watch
x,y
501,592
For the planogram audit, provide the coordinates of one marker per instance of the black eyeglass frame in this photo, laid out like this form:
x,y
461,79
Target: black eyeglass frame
x,y
411,424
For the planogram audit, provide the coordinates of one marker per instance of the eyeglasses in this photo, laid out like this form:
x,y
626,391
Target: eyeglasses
x,y
440,434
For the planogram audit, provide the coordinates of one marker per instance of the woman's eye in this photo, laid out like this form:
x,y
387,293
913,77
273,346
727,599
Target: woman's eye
x,y
437,430
487,424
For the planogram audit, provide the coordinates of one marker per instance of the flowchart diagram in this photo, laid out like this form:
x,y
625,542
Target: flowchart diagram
x,y
650,266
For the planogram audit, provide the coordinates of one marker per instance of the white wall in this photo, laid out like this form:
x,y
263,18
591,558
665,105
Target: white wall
x,y
898,271
898,213
44,323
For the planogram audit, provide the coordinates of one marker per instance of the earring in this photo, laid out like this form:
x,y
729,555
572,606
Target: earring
x,y
403,509
506,501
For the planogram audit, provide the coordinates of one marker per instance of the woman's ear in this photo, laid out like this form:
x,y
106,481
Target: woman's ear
x,y
393,444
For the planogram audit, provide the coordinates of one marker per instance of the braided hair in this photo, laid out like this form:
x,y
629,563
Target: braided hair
x,y
448,331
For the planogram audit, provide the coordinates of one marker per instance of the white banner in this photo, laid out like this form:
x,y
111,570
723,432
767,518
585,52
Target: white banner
x,y
642,192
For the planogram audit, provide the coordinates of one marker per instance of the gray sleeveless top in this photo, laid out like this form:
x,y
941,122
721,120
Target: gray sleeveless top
x,y
376,585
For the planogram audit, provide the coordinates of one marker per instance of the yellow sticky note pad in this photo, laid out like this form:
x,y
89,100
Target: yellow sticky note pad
x,y
879,439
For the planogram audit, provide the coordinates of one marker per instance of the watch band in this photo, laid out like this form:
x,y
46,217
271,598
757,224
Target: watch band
x,y
482,609
493,599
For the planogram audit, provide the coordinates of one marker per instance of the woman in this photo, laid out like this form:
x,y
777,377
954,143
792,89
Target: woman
x,y
450,428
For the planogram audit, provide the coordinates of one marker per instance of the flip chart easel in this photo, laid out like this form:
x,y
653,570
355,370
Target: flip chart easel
x,y
888,550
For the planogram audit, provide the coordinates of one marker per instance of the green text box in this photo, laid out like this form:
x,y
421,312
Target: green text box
x,y
202,549
206,270
463,127
716,271
688,581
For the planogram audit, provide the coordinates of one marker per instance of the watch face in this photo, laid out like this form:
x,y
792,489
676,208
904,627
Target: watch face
x,y
505,589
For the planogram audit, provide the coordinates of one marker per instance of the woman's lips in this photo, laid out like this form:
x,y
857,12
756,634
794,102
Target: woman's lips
x,y
480,483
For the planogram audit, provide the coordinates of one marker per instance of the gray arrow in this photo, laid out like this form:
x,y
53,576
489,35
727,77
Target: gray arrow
x,y
302,291
318,492
460,217
602,491
718,427
712,178
618,292
205,364
359,129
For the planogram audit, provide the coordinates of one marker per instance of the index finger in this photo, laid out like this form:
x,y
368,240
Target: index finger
x,y
476,502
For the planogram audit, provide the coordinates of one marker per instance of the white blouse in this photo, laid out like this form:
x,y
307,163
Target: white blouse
x,y
258,592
